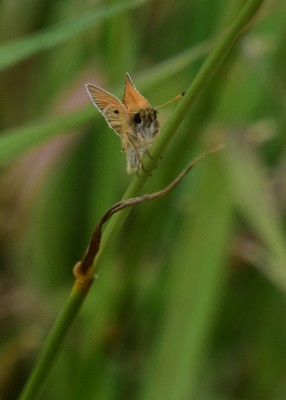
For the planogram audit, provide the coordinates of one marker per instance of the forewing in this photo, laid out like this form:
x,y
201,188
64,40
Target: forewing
x,y
132,99
114,112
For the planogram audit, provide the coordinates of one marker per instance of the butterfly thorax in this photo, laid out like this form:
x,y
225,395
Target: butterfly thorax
x,y
145,126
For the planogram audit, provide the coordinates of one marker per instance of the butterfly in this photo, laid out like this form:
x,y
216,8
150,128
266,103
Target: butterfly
x,y
132,119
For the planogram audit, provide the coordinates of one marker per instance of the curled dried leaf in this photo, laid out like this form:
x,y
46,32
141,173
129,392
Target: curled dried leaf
x,y
83,268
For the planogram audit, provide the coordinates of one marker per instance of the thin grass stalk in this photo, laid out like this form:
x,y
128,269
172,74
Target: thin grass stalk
x,y
200,82
81,287
54,343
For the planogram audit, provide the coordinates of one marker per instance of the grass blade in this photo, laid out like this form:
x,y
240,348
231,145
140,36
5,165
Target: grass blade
x,y
201,81
12,53
196,282
257,207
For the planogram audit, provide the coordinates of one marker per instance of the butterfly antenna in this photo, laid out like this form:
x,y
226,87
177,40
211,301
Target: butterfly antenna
x,y
171,101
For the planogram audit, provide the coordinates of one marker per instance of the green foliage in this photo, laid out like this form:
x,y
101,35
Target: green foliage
x,y
12,53
190,296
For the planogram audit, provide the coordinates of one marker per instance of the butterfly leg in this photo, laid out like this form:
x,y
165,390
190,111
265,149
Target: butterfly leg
x,y
142,167
153,158
149,155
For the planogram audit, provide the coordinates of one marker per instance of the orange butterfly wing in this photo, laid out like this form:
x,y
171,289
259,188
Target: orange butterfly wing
x,y
132,99
114,112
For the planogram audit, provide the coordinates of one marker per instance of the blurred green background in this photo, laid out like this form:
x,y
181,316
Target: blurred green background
x,y
190,298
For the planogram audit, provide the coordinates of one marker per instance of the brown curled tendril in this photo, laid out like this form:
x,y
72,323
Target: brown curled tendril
x,y
83,268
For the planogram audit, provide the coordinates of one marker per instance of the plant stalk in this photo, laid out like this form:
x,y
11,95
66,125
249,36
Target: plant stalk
x,y
207,71
80,289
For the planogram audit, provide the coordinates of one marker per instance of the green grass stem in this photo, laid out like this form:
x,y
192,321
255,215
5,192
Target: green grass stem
x,y
200,82
53,344
72,307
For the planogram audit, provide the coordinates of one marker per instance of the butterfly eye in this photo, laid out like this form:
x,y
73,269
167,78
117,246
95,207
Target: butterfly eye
x,y
137,118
